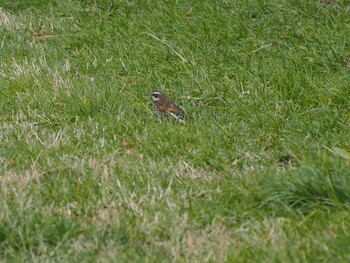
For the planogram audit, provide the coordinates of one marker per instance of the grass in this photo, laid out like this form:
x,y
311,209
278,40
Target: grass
x,y
258,172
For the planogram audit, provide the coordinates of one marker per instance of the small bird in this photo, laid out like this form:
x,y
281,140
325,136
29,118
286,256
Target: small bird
x,y
165,106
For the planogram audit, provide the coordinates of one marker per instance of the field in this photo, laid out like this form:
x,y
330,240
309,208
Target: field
x,y
257,172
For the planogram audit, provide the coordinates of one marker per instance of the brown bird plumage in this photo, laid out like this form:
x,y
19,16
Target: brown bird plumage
x,y
165,106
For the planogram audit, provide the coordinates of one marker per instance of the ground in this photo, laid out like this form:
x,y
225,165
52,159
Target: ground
x,y
257,172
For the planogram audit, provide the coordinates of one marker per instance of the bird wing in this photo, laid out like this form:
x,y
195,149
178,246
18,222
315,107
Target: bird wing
x,y
171,108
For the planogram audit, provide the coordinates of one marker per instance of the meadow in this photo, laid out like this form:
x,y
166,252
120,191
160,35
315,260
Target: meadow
x,y
257,172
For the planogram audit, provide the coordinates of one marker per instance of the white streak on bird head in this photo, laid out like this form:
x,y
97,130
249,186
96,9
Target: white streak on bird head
x,y
156,95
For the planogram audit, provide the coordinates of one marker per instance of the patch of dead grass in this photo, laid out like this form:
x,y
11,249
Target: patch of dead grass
x,y
5,19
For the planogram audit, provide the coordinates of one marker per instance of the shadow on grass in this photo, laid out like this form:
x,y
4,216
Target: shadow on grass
x,y
324,185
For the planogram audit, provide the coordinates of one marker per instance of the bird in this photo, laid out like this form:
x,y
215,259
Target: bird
x,y
165,106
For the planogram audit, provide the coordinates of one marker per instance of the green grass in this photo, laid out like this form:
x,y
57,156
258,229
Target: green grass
x,y
88,173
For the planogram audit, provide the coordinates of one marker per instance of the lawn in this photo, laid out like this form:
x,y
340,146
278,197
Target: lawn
x,y
257,172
